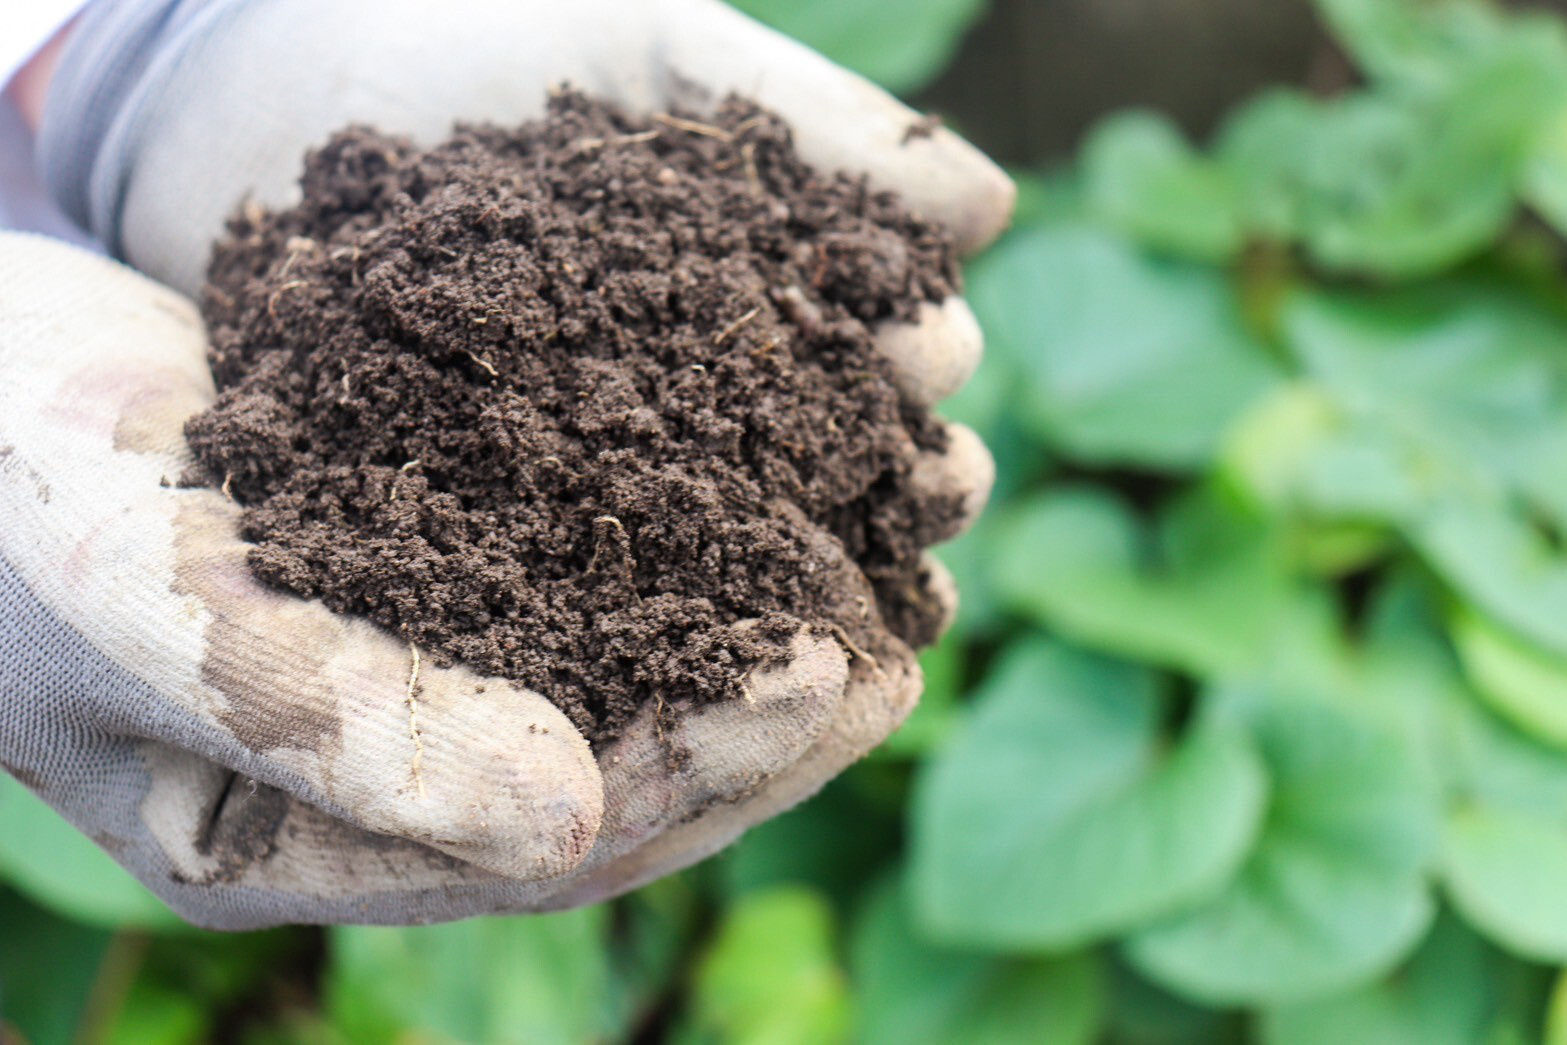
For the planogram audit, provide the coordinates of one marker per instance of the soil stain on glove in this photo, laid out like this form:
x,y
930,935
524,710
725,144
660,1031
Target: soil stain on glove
x,y
568,402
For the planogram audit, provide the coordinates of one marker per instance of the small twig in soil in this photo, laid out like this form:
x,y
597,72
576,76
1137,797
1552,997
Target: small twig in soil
x,y
353,256
752,175
591,144
413,719
628,562
856,652
482,362
228,487
734,328
707,130
272,301
748,124
296,246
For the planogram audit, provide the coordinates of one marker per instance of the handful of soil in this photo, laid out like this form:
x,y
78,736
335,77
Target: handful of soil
x,y
568,402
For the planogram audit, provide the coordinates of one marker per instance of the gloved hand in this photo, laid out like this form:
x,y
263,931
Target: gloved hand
x,y
249,755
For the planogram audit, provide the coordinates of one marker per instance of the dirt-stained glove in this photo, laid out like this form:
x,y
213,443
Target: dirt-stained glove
x,y
252,757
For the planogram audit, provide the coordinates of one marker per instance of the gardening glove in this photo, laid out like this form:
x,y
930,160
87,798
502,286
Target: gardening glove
x,y
252,757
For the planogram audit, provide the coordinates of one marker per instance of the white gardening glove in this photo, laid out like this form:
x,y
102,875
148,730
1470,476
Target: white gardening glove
x,y
252,757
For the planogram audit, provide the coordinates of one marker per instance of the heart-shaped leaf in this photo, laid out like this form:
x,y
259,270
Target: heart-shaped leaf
x,y
1335,890
1143,177
1450,993
1507,871
1131,360
1058,815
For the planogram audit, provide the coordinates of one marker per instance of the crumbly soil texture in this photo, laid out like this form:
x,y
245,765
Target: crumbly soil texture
x,y
575,403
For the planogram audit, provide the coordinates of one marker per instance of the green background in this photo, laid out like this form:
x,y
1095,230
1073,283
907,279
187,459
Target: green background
x,y
1254,723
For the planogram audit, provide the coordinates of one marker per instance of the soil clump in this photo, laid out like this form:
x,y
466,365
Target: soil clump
x,y
569,402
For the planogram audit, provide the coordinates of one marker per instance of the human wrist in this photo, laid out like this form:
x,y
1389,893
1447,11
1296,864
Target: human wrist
x,y
31,83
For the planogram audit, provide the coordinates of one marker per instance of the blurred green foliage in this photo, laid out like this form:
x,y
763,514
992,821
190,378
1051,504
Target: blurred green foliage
x,y
1254,723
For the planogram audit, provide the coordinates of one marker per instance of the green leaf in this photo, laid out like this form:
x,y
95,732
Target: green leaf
x,y
1417,171
1131,360
971,558
1506,567
1450,993
770,977
1262,149
1383,183
912,992
900,45
1424,48
1417,45
1456,386
1545,175
1425,175
1048,197
833,842
1207,593
47,969
1507,833
1525,684
1333,893
1057,816
1146,181
1507,871
1406,680
1442,412
54,864
1297,453
158,1012
537,979
1404,194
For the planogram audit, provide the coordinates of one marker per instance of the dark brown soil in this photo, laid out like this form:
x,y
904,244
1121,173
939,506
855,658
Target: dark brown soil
x,y
566,402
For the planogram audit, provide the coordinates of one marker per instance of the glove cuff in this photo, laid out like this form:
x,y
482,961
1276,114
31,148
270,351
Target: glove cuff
x,y
120,54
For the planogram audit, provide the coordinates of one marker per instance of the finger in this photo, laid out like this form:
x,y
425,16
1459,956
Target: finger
x,y
227,851
883,684
935,355
965,470
881,693
943,587
482,769
840,121
660,773
102,367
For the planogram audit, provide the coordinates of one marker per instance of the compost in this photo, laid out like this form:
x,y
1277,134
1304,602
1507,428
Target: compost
x,y
572,402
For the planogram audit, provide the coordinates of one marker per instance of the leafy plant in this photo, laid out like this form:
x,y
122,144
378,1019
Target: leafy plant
x,y
1254,722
